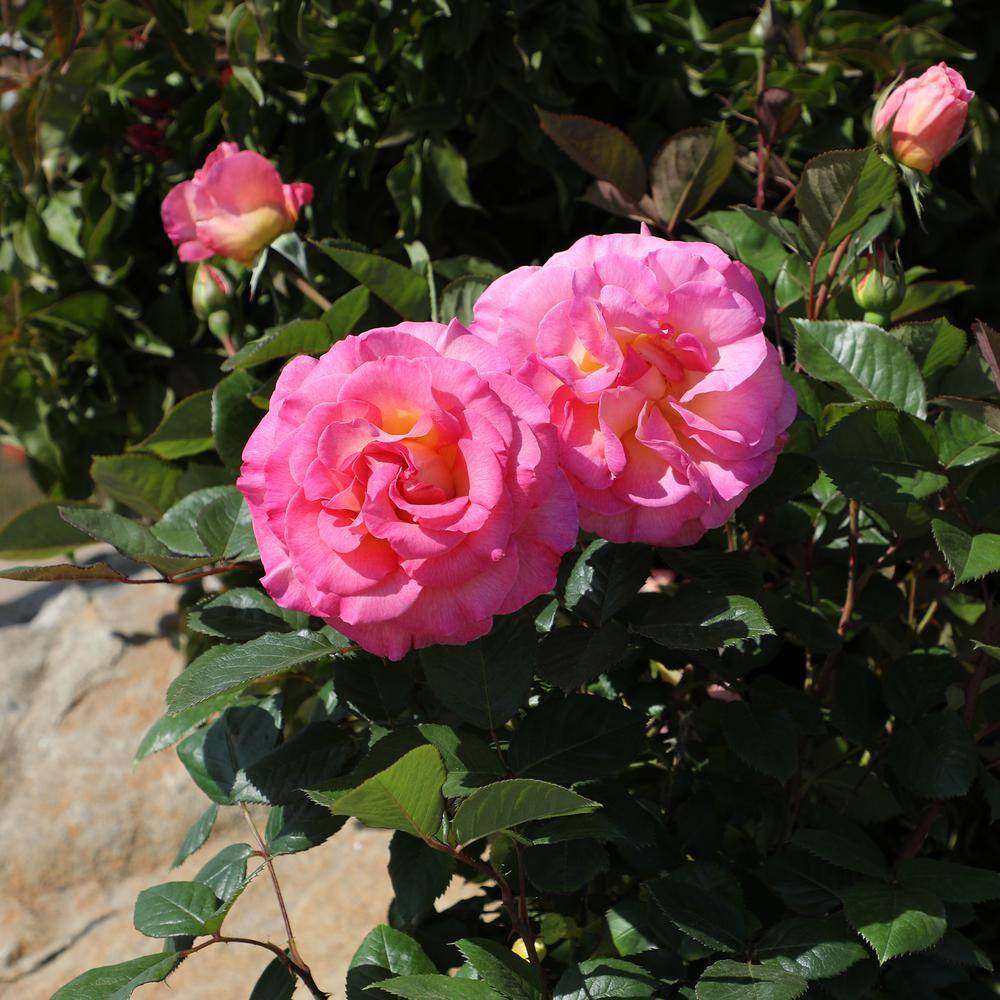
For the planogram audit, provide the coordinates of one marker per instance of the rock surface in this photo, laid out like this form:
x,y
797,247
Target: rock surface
x,y
83,831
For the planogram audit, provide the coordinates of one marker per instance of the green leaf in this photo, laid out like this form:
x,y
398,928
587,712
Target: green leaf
x,y
38,533
436,987
452,172
141,482
196,835
689,169
605,978
894,921
317,753
219,756
576,739
304,336
936,344
743,239
703,900
374,688
384,952
846,848
174,908
697,619
130,538
234,416
177,529
882,456
604,151
916,683
241,614
63,571
923,295
225,528
838,190
863,360
767,740
275,983
811,948
401,289
419,875
605,578
633,927
970,556
299,825
185,430
507,973
486,681
226,873
804,883
228,667
569,657
459,297
505,804
565,866
167,731
470,761
729,980
934,757
406,796
116,982
948,881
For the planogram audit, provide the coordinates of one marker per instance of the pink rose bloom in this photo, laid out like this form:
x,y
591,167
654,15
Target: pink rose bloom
x,y
927,115
406,489
234,206
667,397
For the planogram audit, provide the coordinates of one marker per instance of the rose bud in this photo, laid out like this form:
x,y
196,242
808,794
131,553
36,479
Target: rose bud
x,y
925,116
777,113
879,289
234,206
210,291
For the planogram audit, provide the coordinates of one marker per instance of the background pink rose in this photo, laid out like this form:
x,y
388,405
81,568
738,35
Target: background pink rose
x,y
406,489
234,206
668,399
927,115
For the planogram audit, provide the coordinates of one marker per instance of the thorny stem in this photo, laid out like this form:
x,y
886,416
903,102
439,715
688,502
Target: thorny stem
x,y
304,286
852,572
824,290
302,968
916,842
528,932
293,967
763,152
184,577
521,925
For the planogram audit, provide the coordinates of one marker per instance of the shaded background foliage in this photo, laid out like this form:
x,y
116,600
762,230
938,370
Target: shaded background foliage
x,y
784,770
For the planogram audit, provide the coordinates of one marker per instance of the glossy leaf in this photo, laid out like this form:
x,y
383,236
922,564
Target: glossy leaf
x,y
174,908
689,169
185,430
893,920
506,804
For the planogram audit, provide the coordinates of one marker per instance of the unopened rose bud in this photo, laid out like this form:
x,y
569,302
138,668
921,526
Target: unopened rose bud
x,y
879,289
210,291
777,113
766,32
923,117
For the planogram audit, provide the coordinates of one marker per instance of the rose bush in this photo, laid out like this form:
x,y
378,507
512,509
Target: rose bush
x,y
406,489
740,740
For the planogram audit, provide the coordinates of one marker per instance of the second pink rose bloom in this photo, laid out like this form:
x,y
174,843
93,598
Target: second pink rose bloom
x,y
668,399
234,206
